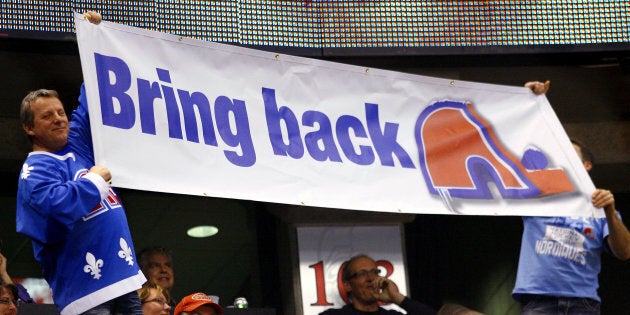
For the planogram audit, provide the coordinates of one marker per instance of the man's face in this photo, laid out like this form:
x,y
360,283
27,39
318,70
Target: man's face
x,y
587,165
202,310
363,271
50,124
7,303
161,270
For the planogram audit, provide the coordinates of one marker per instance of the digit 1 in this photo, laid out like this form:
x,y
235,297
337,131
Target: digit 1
x,y
320,283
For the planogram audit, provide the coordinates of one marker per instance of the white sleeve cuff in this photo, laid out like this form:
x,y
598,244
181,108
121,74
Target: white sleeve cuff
x,y
100,183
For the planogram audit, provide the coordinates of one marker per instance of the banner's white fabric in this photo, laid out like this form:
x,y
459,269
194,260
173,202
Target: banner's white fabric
x,y
178,115
323,250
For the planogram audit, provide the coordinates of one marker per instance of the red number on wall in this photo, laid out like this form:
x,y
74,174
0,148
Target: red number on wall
x,y
321,284
342,290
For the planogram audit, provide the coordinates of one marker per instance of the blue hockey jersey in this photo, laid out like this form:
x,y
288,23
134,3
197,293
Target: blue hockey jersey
x,y
77,223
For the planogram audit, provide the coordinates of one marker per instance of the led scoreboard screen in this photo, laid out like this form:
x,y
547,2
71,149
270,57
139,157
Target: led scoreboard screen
x,y
402,27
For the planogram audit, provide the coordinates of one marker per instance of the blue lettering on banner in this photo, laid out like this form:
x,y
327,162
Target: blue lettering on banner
x,y
114,81
119,110
344,124
385,141
108,91
347,127
275,116
323,136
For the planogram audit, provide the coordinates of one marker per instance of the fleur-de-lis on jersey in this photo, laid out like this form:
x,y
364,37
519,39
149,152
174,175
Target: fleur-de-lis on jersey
x,y
93,266
125,252
26,171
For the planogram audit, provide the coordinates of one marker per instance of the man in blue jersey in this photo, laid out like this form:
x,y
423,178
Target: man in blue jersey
x,y
76,222
561,256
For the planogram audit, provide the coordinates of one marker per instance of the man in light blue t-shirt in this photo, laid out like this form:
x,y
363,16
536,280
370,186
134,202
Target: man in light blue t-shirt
x,y
560,257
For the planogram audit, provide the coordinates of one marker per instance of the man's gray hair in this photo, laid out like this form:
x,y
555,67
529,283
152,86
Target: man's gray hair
x,y
26,113
345,273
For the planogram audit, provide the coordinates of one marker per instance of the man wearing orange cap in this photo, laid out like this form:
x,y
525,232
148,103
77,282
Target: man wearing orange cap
x,y
198,304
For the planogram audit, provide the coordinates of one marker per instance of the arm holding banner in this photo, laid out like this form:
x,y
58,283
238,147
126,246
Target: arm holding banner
x,y
574,272
619,236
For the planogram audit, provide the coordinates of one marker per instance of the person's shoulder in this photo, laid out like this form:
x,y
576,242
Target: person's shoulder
x,y
45,161
43,156
40,163
332,311
539,220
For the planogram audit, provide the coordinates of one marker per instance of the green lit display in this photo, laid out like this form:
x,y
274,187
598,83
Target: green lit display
x,y
346,24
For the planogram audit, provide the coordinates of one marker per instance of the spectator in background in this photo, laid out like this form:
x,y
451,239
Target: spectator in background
x,y
366,288
154,299
22,293
198,304
8,299
156,263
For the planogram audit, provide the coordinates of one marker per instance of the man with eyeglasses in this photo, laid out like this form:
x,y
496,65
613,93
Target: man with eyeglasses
x,y
8,299
366,288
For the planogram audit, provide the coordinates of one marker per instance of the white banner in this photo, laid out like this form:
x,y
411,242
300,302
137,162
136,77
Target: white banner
x,y
178,115
323,251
